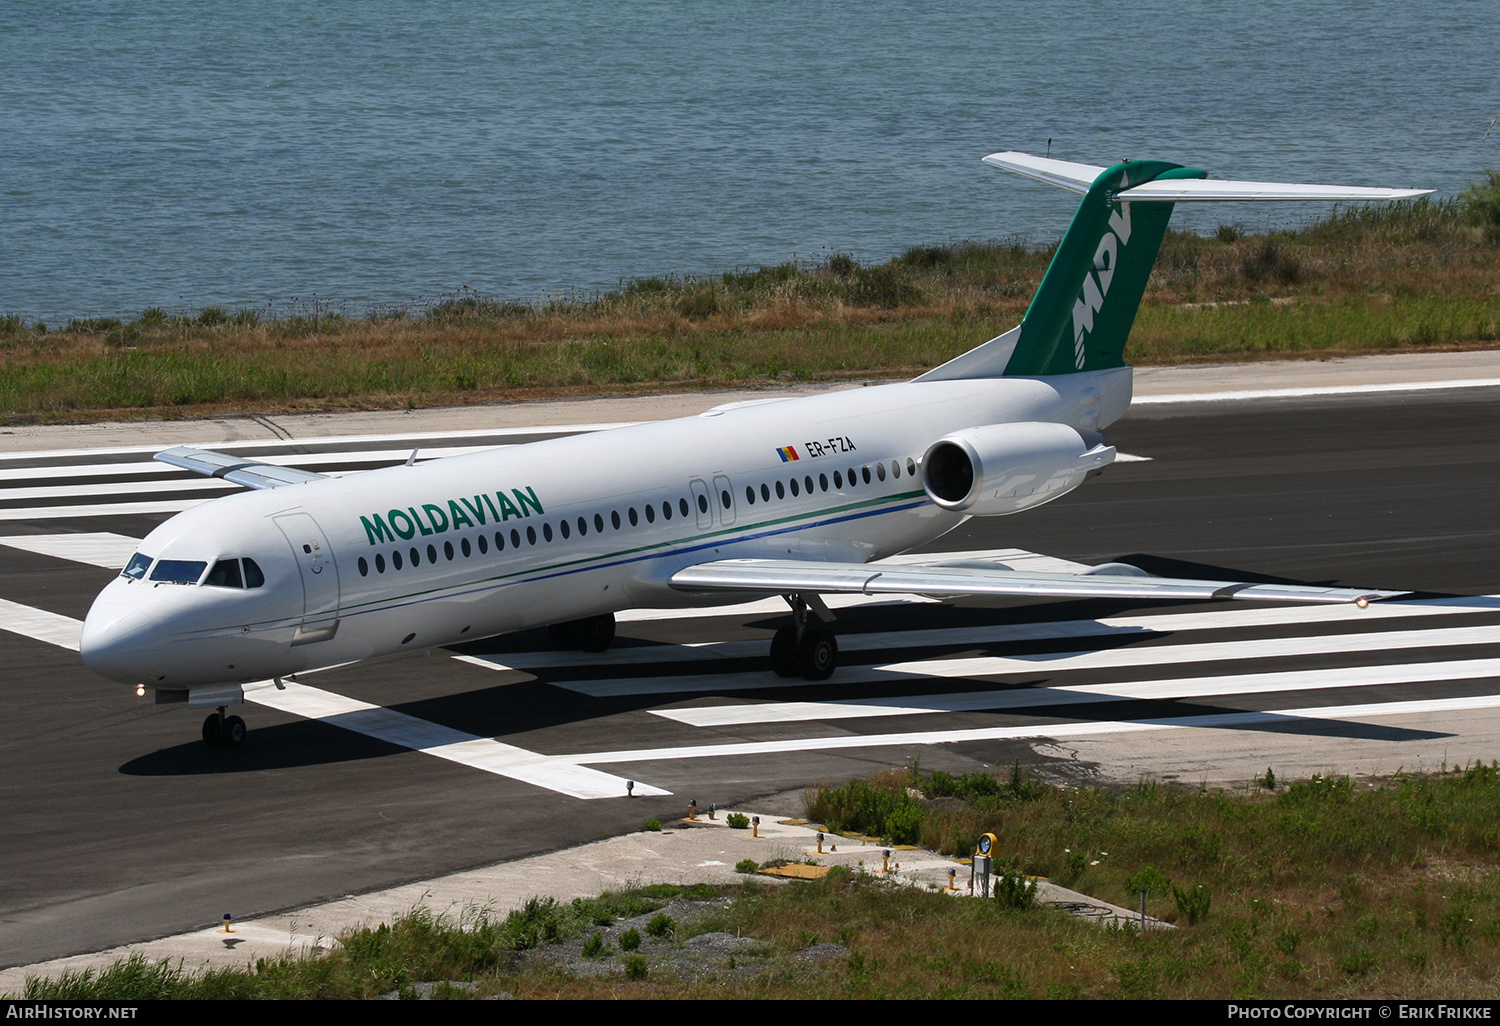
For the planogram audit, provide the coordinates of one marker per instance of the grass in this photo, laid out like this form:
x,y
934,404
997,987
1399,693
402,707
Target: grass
x,y
1408,277
1321,889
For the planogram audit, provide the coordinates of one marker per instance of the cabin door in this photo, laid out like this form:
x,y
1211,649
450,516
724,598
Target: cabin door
x,y
320,577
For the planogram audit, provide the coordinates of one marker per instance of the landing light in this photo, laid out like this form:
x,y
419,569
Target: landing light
x,y
1362,602
140,691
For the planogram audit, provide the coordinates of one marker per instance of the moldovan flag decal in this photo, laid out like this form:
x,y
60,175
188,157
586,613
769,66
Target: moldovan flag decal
x,y
788,453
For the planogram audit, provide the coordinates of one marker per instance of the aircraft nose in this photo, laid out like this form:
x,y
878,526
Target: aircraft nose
x,y
116,642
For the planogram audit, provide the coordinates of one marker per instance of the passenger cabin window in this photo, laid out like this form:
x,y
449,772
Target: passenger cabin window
x,y
137,567
225,574
179,571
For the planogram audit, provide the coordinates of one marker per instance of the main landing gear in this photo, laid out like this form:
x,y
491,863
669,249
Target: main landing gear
x,y
220,731
591,634
801,649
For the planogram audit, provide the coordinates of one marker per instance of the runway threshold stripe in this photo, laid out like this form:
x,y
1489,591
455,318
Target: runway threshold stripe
x,y
1136,691
111,551
875,641
1050,663
1286,718
40,625
483,753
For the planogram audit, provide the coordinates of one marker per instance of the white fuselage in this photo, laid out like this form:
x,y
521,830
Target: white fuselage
x,y
461,548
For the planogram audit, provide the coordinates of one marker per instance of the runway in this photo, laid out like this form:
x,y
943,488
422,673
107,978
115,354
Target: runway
x,y
121,825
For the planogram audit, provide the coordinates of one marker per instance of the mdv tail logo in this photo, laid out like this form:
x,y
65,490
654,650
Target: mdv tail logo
x,y
1096,282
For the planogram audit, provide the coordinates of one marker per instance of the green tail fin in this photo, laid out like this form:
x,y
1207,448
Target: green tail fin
x,y
1082,314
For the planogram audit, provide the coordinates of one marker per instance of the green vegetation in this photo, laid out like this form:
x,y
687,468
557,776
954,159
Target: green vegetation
x,y
1406,277
1324,888
737,821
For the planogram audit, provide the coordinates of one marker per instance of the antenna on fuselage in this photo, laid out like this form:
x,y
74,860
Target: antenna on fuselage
x,y
412,458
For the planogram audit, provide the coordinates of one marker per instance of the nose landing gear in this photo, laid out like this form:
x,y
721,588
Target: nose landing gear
x,y
802,650
220,731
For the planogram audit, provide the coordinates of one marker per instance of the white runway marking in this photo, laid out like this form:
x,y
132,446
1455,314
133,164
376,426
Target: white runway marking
x,y
1297,393
1286,717
102,509
40,625
303,460
111,551
1205,688
1050,663
547,431
561,775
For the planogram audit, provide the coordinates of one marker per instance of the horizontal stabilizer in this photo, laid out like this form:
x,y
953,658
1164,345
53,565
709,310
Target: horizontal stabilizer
x,y
785,575
250,473
1079,177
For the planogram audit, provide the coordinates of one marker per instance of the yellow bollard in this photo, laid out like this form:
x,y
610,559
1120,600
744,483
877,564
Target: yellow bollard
x,y
692,810
754,826
952,875
885,860
820,842
227,928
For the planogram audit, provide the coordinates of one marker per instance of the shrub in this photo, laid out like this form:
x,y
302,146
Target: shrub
x,y
651,824
737,821
594,946
1149,879
1481,201
635,967
630,939
661,925
746,866
1013,890
1192,902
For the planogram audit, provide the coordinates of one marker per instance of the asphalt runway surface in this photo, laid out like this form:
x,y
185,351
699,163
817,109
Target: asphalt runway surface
x,y
120,825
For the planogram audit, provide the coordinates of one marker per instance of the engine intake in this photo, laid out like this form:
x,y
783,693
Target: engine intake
x,y
1004,468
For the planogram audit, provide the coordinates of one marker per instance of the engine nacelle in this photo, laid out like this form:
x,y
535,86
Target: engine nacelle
x,y
1004,468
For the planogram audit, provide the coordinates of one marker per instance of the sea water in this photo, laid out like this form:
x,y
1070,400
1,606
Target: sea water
x,y
364,154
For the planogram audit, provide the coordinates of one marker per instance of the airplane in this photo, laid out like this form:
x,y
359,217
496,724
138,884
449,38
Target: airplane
x,y
794,497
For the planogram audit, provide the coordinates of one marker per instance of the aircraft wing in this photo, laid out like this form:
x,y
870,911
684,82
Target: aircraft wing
x,y
786,575
250,473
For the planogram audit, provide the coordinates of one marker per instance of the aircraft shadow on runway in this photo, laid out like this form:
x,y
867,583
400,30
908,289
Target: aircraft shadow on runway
x,y
510,711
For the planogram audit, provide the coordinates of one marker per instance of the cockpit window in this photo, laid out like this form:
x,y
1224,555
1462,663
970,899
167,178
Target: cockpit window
x,y
178,571
253,576
225,574
137,567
